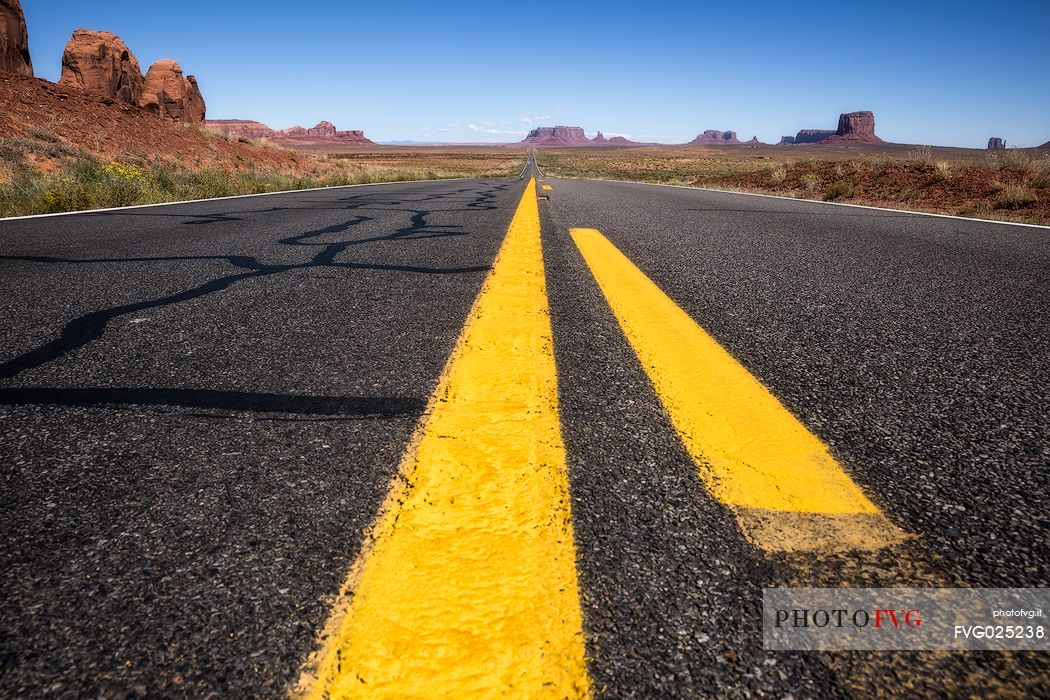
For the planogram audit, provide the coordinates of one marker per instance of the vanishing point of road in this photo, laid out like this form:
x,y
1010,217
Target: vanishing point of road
x,y
520,437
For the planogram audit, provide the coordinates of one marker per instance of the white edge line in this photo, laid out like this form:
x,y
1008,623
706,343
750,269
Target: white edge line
x,y
812,201
240,196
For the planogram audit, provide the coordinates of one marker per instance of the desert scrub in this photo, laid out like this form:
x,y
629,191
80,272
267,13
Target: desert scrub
x,y
15,150
1016,161
83,183
62,195
1042,172
86,182
778,174
809,181
840,189
44,135
922,157
944,170
1016,197
123,171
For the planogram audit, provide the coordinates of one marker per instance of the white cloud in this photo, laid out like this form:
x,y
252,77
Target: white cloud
x,y
494,132
533,120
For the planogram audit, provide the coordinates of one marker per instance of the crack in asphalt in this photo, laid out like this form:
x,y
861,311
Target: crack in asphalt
x,y
84,329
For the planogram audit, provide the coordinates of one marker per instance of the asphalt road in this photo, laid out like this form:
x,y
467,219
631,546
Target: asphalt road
x,y
202,407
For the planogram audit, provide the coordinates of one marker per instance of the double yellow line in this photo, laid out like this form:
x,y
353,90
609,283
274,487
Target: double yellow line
x,y
467,585
788,493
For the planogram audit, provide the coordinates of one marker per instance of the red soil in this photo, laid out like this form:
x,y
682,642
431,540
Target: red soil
x,y
111,129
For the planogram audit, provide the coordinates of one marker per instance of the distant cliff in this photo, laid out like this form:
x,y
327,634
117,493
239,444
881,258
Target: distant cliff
x,y
569,137
854,127
716,137
323,132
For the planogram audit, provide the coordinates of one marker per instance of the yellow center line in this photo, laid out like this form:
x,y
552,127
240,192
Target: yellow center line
x,y
786,490
468,587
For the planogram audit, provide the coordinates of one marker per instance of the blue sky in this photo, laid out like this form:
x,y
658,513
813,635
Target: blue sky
x,y
936,72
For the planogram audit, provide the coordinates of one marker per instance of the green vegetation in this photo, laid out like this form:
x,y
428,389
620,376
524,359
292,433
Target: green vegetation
x,y
840,189
809,181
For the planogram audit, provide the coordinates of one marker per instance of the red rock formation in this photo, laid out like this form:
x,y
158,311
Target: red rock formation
x,y
353,136
14,39
1045,146
557,136
112,130
195,107
716,137
568,137
813,135
168,94
242,128
323,132
786,140
996,144
100,63
855,127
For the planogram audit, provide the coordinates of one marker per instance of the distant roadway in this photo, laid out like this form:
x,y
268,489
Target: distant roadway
x,y
528,437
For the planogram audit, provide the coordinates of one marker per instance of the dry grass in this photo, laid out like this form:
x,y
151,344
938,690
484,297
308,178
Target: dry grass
x,y
211,131
809,181
44,174
1016,197
437,162
1025,162
922,157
